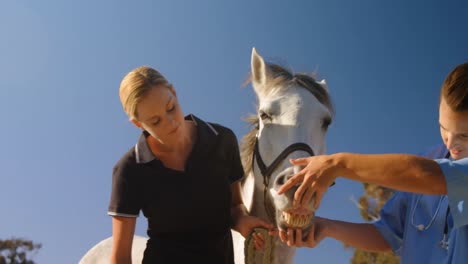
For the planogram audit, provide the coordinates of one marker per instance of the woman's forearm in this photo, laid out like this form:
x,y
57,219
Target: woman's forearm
x,y
115,259
362,236
402,172
123,229
237,211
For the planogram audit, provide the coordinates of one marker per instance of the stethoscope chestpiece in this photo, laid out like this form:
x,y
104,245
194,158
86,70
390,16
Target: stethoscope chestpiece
x,y
444,242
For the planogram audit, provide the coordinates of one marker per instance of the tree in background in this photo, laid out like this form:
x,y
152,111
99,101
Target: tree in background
x,y
17,251
369,204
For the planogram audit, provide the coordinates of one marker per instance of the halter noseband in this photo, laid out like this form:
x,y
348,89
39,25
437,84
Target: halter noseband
x,y
266,171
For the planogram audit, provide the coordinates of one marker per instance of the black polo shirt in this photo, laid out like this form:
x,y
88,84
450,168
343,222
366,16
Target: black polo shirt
x,y
188,212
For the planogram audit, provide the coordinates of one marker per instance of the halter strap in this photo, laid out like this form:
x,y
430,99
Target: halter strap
x,y
268,170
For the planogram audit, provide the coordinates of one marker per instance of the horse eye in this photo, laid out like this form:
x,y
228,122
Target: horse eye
x,y
326,122
264,116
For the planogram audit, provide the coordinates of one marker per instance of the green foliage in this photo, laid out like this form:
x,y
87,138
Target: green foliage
x,y
370,203
17,251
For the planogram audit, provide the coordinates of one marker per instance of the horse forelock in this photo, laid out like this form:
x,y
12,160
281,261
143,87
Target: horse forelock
x,y
280,79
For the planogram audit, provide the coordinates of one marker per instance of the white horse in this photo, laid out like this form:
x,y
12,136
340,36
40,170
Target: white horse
x,y
293,114
101,252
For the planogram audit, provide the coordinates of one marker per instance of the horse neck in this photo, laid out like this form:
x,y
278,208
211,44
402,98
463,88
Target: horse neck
x,y
254,196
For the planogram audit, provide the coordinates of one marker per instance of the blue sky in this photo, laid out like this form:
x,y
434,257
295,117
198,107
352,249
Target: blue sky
x,y
61,63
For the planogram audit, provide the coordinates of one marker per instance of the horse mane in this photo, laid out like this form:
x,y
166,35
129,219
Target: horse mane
x,y
280,79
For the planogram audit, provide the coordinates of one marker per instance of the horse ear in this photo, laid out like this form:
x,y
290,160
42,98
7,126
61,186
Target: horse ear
x,y
323,83
259,69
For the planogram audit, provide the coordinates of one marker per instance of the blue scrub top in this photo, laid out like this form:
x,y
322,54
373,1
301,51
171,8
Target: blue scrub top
x,y
456,177
414,224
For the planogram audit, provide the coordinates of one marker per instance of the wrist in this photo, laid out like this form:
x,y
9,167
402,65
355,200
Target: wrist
x,y
327,227
338,163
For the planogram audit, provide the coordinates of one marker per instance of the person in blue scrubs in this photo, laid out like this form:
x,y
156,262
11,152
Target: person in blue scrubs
x,y
426,221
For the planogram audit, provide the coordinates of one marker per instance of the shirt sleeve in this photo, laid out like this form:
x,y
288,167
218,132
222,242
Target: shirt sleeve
x,y
125,200
392,220
456,178
237,170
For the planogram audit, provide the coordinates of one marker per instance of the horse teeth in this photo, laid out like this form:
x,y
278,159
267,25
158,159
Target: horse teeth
x,y
296,220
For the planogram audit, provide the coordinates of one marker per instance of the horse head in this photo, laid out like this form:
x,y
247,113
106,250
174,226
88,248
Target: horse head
x,y
293,114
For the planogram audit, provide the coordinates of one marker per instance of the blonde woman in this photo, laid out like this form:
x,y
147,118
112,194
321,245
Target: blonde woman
x,y
183,174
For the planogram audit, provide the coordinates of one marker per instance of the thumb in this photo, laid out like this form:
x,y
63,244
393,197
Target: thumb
x,y
261,222
311,235
273,232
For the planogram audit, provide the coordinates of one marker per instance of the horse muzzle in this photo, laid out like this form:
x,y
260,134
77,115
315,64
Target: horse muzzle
x,y
287,216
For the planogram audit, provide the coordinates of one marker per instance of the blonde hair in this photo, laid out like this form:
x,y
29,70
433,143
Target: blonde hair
x,y
136,84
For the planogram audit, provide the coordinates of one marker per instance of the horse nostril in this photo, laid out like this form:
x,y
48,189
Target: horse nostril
x,y
281,179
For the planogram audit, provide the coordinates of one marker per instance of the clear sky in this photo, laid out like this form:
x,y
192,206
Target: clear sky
x,y
63,129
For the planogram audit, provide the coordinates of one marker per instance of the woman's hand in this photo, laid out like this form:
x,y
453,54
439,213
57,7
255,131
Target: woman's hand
x,y
245,224
316,235
319,173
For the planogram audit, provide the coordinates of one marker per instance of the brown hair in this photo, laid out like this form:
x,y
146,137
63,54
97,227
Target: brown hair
x,y
136,84
455,88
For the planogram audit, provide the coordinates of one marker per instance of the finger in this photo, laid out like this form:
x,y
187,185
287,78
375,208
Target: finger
x,y
259,237
307,196
273,232
310,241
298,241
291,182
301,190
283,236
318,198
259,244
290,234
299,161
259,247
254,237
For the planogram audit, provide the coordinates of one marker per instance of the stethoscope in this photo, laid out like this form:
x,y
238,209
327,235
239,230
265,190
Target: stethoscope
x,y
443,243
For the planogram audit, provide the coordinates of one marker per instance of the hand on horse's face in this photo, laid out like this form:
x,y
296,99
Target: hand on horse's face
x,y
319,173
293,237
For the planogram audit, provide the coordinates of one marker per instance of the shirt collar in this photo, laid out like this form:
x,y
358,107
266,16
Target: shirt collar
x,y
206,135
